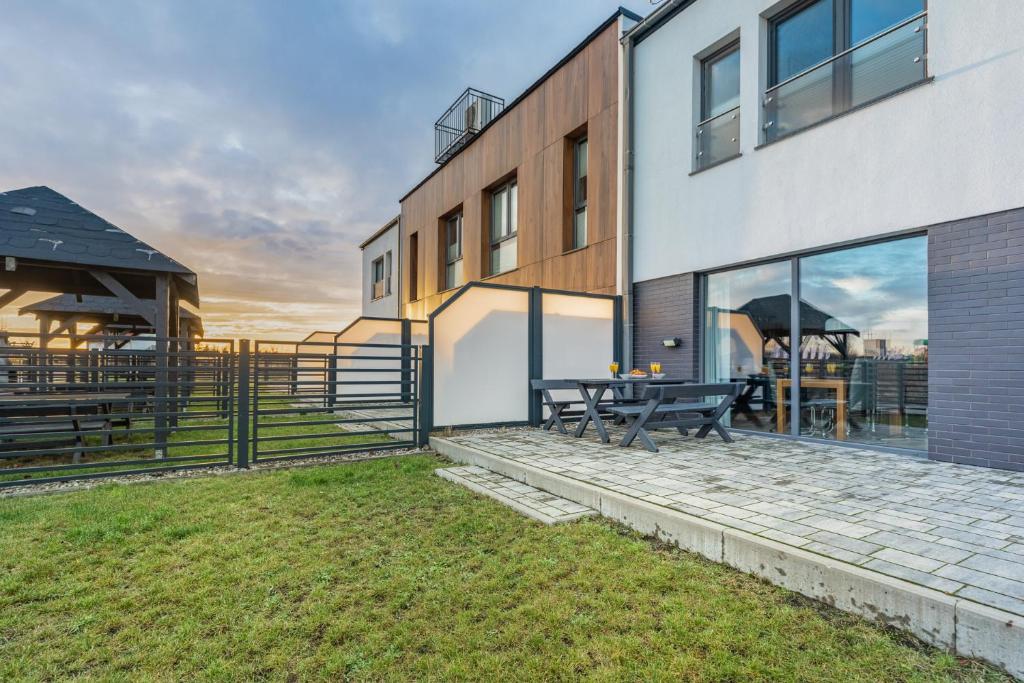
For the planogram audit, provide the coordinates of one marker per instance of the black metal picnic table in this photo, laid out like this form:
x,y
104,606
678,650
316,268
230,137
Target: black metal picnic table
x,y
593,391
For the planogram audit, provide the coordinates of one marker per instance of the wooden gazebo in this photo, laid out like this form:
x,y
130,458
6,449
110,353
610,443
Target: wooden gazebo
x,y
48,243
107,315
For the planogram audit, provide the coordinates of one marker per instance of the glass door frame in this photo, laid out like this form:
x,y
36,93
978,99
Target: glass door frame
x,y
796,333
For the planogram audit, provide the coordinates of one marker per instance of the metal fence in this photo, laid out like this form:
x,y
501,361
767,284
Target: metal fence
x,y
300,398
83,406
88,406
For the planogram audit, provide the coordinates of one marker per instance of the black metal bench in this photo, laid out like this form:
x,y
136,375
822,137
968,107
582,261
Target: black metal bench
x,y
661,408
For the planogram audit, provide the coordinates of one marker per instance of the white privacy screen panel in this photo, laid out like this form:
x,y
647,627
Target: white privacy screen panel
x,y
579,337
420,333
481,358
354,361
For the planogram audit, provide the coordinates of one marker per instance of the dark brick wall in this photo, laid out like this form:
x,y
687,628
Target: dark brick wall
x,y
976,341
662,309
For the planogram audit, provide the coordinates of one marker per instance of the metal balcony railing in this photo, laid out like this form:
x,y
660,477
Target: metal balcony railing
x,y
718,138
472,111
878,66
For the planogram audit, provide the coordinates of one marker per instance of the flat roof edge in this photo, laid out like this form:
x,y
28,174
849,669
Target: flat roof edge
x,y
380,231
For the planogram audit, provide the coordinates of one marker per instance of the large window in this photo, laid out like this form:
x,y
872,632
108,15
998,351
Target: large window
x,y
828,56
453,252
504,227
863,344
579,193
718,133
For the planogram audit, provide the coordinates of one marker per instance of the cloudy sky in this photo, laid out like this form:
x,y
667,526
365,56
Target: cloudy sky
x,y
258,142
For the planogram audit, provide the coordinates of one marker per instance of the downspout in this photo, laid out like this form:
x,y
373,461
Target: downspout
x,y
626,218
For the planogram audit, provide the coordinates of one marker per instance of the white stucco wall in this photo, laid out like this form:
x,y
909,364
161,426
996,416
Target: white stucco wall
x,y
386,307
947,150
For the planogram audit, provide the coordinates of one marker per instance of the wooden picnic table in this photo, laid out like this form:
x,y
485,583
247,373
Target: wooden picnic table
x,y
837,385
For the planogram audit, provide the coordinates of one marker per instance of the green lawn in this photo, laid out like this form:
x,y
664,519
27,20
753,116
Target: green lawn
x,y
380,570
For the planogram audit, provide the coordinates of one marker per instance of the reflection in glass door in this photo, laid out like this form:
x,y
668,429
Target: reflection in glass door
x,y
864,344
746,339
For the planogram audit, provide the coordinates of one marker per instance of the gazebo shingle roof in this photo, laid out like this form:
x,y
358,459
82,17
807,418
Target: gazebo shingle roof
x,y
43,225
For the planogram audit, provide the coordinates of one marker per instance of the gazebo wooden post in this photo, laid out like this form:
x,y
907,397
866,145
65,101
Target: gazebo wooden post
x,y
174,328
161,320
42,373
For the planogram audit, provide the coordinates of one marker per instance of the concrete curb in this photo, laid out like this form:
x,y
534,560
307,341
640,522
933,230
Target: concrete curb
x,y
954,624
515,505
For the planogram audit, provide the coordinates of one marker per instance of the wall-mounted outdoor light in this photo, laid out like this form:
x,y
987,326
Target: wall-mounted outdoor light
x,y
672,343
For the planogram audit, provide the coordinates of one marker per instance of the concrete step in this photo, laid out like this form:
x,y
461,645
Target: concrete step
x,y
524,499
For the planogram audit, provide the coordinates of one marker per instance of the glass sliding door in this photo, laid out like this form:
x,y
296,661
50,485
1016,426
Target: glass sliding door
x,y
862,348
863,344
747,331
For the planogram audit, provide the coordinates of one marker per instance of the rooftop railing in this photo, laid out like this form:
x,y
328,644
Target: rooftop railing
x,y
472,111
887,62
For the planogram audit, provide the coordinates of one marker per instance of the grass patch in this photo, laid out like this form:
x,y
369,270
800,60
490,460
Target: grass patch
x,y
380,570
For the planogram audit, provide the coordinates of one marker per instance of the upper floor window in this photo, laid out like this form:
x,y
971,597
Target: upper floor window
x,y
504,228
718,133
453,251
826,57
580,154
387,273
377,278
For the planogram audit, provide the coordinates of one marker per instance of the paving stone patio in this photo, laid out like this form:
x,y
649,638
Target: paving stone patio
x,y
383,419
954,528
530,501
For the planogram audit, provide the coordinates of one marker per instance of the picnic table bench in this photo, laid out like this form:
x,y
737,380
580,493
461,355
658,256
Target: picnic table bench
x,y
66,414
660,407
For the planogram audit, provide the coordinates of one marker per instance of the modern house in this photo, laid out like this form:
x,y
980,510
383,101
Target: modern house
x,y
825,203
381,269
525,193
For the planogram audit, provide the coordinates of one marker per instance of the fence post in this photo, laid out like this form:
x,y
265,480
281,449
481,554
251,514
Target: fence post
x,y
535,352
406,341
242,424
426,388
331,390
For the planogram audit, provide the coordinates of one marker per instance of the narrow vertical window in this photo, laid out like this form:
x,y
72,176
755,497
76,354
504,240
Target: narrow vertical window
x,y
718,133
504,228
377,278
414,270
387,273
453,252
579,192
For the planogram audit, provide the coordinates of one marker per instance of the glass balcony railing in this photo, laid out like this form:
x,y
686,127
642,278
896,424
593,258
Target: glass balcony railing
x,y
718,138
881,65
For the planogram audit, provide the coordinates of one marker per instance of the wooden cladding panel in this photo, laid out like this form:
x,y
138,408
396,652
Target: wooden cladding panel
x,y
602,189
529,141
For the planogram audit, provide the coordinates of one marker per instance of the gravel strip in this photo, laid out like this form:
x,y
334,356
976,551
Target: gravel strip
x,y
83,484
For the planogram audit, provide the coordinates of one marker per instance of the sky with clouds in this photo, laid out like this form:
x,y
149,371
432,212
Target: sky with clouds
x,y
258,142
